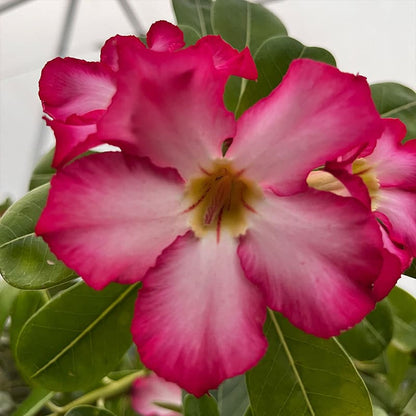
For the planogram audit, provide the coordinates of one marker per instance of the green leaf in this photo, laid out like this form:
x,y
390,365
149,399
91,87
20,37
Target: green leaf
x,y
398,363
411,271
233,397
404,317
251,24
370,337
34,402
43,171
190,35
25,259
378,411
396,101
78,337
194,13
405,395
241,23
204,406
381,393
304,375
86,410
410,409
7,296
120,405
248,412
26,304
272,61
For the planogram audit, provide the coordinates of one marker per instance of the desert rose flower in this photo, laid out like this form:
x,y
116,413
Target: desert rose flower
x,y
75,94
215,239
150,392
382,176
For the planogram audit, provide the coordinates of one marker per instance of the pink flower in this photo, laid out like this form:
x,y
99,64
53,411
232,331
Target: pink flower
x,y
147,392
382,176
76,94
216,239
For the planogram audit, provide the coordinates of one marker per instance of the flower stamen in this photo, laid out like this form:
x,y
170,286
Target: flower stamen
x,y
221,196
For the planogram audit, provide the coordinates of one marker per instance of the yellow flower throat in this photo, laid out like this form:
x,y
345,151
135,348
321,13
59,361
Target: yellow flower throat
x,y
220,199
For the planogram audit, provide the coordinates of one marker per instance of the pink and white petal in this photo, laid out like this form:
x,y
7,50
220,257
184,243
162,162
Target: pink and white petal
x,y
395,261
71,86
198,320
228,59
353,184
116,209
109,52
146,391
169,107
394,163
398,206
164,37
71,140
316,114
315,256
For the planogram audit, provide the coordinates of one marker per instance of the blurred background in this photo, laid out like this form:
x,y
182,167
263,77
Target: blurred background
x,y
376,38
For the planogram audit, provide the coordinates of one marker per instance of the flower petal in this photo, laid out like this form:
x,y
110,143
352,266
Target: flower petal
x,y
198,320
316,114
394,163
169,107
109,52
395,261
117,209
399,207
228,59
150,389
315,256
164,37
72,139
71,86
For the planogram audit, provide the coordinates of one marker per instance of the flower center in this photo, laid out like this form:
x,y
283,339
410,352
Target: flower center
x,y
220,199
364,170
325,181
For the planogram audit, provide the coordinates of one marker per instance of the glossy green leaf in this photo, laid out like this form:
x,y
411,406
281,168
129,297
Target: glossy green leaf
x,y
369,338
86,410
25,259
272,61
26,304
43,171
34,402
251,24
190,35
203,406
404,317
304,375
194,13
7,296
78,337
233,397
411,271
396,101
242,23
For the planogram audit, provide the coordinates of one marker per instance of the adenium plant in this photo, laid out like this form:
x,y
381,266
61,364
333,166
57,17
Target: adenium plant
x,y
303,205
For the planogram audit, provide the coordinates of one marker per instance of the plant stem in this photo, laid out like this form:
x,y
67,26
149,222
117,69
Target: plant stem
x,y
112,389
